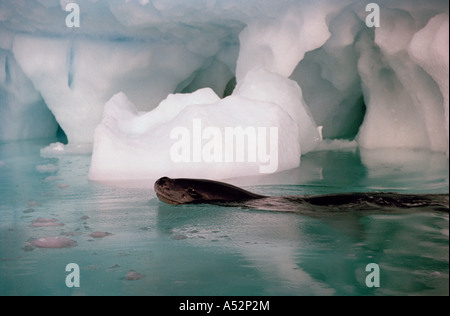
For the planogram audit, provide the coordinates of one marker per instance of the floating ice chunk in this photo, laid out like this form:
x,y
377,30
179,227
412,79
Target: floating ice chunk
x,y
98,234
70,233
124,152
60,149
53,242
56,147
34,203
45,222
47,168
133,275
435,274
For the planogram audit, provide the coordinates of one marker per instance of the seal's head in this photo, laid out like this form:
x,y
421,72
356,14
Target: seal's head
x,y
184,191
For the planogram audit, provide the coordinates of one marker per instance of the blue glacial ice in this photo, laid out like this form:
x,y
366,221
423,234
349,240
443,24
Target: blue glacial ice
x,y
134,70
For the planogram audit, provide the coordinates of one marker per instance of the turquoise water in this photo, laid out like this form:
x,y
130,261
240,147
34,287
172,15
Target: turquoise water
x,y
213,250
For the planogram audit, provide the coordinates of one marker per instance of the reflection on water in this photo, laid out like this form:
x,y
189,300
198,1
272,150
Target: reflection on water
x,y
213,250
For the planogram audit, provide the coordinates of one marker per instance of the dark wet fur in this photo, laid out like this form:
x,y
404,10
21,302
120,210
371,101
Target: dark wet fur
x,y
229,195
355,201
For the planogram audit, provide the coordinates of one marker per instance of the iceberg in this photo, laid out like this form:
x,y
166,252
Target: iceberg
x,y
133,72
130,145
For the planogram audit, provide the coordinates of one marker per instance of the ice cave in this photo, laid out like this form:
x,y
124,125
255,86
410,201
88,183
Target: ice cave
x,y
132,70
283,97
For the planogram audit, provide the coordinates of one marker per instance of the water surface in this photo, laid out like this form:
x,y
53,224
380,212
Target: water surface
x,y
213,250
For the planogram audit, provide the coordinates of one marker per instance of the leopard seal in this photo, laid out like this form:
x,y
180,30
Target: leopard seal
x,y
185,191
203,191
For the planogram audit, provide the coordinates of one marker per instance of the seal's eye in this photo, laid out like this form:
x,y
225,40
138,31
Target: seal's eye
x,y
193,193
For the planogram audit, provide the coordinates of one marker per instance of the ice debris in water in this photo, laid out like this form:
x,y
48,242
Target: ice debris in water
x,y
98,234
60,149
45,222
47,168
52,242
133,275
